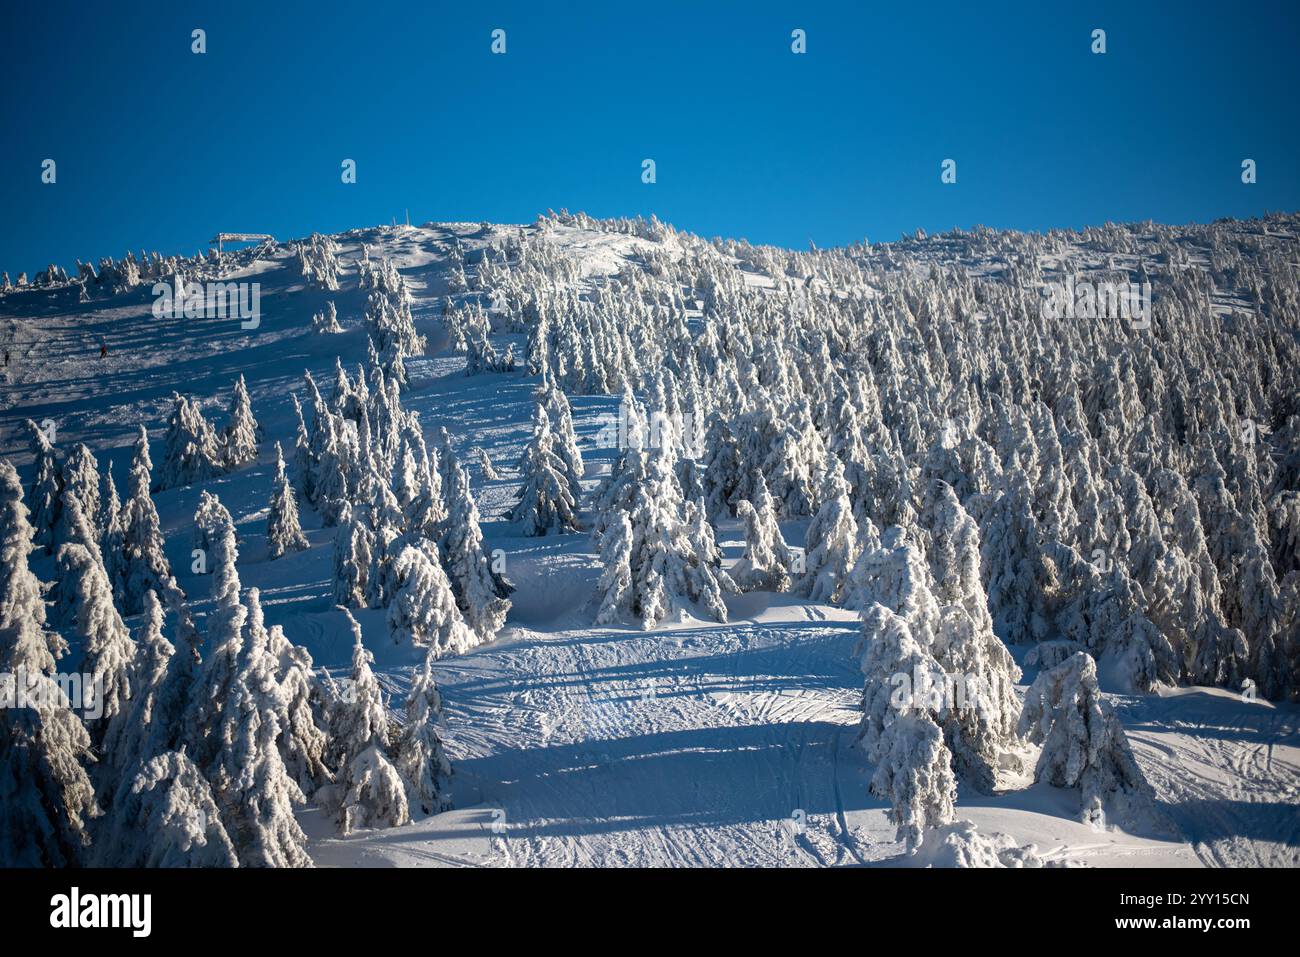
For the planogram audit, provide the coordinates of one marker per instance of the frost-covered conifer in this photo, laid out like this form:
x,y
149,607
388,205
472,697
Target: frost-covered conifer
x,y
283,533
831,542
1083,744
107,648
370,792
327,322
766,562
421,758
165,816
485,465
481,591
240,436
546,503
669,575
143,564
250,783
191,451
44,495
422,610
46,798
354,546
81,478
614,587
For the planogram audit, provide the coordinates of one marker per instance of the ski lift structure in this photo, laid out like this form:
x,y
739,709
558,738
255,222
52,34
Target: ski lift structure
x,y
221,238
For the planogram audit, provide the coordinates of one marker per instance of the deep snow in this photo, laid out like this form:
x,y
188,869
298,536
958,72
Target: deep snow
x,y
696,744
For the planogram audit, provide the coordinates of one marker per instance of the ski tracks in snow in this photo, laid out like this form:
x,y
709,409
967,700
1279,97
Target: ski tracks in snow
x,y
692,747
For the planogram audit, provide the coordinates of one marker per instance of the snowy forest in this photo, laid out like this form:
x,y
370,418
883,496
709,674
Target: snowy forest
x,y
597,542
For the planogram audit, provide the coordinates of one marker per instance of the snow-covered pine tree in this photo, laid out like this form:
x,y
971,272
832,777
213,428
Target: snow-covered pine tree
x,y
560,415
165,816
915,775
46,798
143,564
240,436
614,588
191,451
73,528
303,458
81,478
481,591
354,547
370,792
766,563
831,542
421,759
546,503
981,730
250,784
1083,743
283,533
668,573
326,322
302,740
125,744
423,609
107,651
485,465
44,495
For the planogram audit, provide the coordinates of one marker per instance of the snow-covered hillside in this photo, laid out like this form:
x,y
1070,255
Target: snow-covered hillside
x,y
723,491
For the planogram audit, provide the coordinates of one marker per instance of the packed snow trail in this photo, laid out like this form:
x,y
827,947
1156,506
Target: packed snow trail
x,y
691,747
1227,771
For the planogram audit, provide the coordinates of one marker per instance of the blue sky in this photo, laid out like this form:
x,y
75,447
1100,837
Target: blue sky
x,y
158,148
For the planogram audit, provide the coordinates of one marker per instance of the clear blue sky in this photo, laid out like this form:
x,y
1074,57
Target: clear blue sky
x,y
158,148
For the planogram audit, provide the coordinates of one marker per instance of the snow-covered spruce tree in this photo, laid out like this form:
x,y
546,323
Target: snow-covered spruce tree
x,y
421,759
143,564
831,542
250,784
191,451
949,665
165,816
981,730
546,503
126,742
240,436
481,591
914,774
485,465
370,792
46,798
423,609
44,495
669,576
107,649
766,562
1083,743
108,519
81,478
614,586
209,518
73,529
213,686
326,322
302,740
283,533
354,547
304,462
560,415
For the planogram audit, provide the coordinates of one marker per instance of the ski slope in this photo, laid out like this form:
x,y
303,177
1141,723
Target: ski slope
x,y
697,744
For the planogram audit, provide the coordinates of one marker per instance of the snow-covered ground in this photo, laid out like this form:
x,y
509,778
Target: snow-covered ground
x,y
696,744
